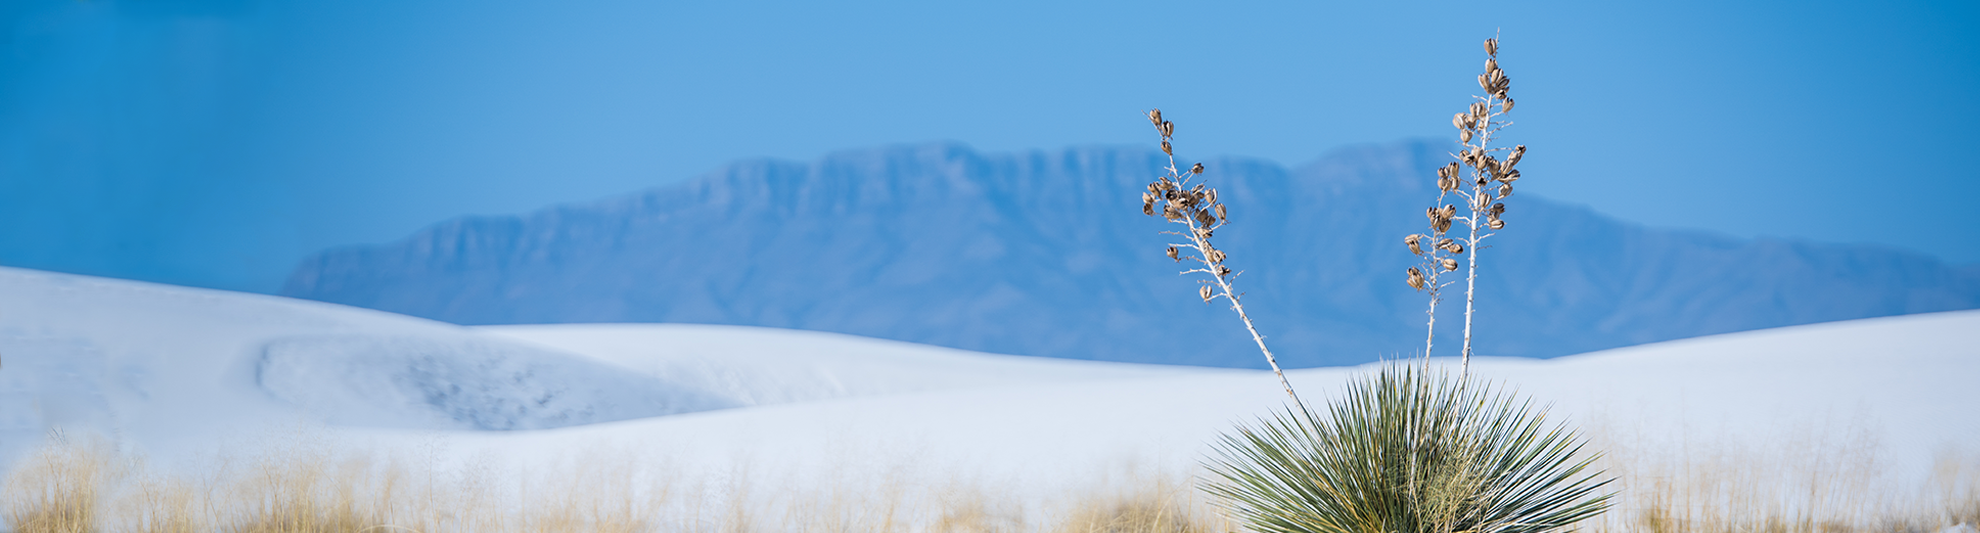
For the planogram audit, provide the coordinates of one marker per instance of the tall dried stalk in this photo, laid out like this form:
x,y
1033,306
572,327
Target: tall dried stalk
x,y
1197,208
1433,248
1490,180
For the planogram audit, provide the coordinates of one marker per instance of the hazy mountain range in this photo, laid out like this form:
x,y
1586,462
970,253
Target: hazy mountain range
x,y
1046,253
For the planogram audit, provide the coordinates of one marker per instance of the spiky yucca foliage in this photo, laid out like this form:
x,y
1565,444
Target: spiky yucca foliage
x,y
1406,452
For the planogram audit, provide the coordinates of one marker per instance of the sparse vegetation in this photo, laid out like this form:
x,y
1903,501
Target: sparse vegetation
x,y
60,489
1821,487
1407,452
87,487
1403,451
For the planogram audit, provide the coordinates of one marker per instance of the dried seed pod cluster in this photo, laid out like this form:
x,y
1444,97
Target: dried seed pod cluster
x,y
1490,181
1196,207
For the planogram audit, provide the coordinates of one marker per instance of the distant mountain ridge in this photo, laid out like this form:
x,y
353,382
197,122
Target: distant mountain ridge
x,y
1046,253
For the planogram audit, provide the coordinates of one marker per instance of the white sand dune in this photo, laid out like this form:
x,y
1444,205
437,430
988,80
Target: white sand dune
x,y
171,370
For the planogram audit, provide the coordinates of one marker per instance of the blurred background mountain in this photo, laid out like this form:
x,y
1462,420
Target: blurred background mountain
x,y
1046,253
221,143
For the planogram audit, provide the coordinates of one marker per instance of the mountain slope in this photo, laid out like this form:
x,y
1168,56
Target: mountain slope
x,y
1044,253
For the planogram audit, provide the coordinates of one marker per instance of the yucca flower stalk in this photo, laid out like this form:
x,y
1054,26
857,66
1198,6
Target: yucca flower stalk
x,y
1196,207
1434,250
1489,181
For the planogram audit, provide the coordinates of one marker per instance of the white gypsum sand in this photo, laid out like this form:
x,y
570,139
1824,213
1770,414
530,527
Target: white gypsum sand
x,y
175,373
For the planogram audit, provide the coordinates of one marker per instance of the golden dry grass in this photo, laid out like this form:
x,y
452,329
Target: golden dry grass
x,y
1817,480
78,486
87,486
59,489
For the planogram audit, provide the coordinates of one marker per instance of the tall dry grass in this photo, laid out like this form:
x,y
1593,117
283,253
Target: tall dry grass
x,y
1817,482
89,486
61,488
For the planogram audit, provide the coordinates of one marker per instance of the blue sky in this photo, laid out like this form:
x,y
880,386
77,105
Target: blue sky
x,y
215,143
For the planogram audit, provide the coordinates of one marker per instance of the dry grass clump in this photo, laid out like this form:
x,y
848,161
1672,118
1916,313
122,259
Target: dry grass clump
x,y
88,487
60,489
310,494
1825,482
1151,506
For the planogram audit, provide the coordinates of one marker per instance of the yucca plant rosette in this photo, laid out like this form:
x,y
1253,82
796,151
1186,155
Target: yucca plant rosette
x,y
1408,451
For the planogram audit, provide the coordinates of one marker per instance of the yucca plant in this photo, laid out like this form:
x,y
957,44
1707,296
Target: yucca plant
x,y
1403,451
1408,452
1195,206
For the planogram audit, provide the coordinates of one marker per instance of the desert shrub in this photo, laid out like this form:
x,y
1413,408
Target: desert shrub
x,y
1402,451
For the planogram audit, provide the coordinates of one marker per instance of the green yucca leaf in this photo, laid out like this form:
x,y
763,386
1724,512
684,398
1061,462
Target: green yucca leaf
x,y
1406,453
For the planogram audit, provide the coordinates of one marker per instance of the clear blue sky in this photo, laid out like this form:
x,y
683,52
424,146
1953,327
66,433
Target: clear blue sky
x,y
215,143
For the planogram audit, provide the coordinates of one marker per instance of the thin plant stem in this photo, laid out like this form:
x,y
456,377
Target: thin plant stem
x,y
1202,246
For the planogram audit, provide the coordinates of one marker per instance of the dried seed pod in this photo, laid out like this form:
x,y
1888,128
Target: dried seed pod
x,y
1155,117
1220,213
1415,278
1148,208
1454,168
1168,128
1414,241
1216,256
1492,47
1498,209
1505,190
1223,271
1447,183
1204,291
1450,264
1517,153
1454,248
1198,169
1510,177
1450,211
1478,202
1496,224
1204,218
1165,148
1477,110
1484,83
1458,121
1210,197
1175,254
1507,106
1464,136
1203,233
1491,65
